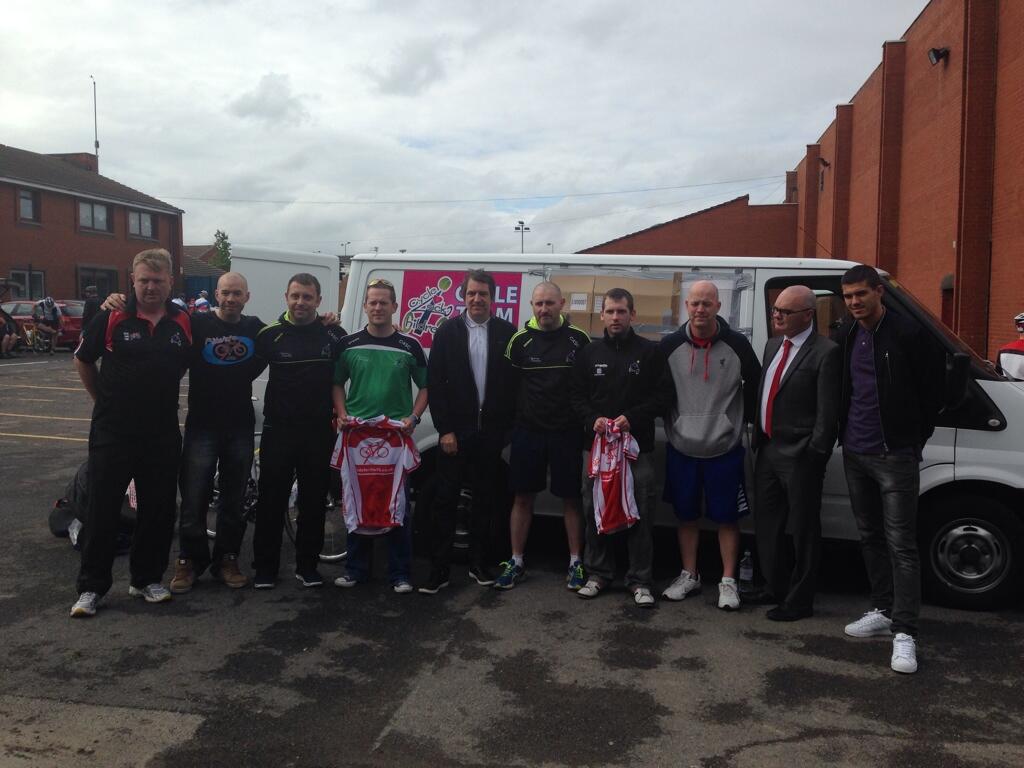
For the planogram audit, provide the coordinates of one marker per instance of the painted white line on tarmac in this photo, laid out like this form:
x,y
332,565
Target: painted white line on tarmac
x,y
45,437
11,365
36,386
58,418
35,400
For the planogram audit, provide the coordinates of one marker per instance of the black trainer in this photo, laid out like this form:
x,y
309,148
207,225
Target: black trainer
x,y
482,575
264,581
309,577
438,580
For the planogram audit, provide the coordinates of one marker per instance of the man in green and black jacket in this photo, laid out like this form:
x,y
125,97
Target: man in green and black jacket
x,y
546,435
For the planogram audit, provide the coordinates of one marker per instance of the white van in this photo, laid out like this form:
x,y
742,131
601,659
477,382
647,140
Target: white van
x,y
972,476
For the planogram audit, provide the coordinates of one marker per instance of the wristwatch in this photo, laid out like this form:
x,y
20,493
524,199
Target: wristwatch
x,y
416,419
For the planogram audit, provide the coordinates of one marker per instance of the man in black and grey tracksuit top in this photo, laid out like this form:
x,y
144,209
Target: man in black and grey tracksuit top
x,y
711,387
546,435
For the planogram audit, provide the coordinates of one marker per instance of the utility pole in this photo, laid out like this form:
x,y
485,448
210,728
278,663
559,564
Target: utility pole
x,y
522,229
552,247
95,124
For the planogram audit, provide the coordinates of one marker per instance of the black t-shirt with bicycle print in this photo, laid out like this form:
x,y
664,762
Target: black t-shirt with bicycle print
x,y
223,365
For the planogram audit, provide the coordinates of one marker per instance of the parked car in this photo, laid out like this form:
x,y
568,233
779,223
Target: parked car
x,y
71,309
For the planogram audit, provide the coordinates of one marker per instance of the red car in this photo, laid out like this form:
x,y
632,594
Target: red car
x,y
71,309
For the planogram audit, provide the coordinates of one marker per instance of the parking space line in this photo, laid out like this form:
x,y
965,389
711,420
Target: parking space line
x,y
58,418
35,400
11,365
36,386
45,437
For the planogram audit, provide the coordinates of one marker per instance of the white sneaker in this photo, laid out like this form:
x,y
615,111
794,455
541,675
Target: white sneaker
x,y
642,597
151,593
728,595
904,654
591,589
85,605
345,581
684,585
402,587
872,624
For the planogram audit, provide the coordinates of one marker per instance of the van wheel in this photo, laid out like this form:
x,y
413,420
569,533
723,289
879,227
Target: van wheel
x,y
971,552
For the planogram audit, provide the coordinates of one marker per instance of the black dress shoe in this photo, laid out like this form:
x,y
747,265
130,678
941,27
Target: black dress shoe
x,y
785,613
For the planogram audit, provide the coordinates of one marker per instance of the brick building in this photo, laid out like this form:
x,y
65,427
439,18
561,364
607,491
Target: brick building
x,y
921,174
64,226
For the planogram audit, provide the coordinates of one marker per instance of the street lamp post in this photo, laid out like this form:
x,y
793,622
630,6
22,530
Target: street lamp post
x,y
522,229
552,247
344,248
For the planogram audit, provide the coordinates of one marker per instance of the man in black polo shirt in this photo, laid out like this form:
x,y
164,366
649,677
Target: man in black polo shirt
x,y
298,436
134,432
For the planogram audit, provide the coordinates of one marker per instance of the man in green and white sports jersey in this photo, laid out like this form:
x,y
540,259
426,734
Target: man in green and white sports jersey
x,y
379,364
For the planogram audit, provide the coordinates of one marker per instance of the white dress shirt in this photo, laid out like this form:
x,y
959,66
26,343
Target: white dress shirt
x,y
478,354
769,375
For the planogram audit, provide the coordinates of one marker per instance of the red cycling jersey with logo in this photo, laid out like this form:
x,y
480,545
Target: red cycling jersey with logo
x,y
374,457
614,501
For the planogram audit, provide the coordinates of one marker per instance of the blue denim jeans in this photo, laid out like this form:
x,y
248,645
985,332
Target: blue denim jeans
x,y
883,493
203,452
358,565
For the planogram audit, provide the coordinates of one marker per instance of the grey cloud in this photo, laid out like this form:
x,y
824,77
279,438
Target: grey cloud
x,y
417,65
271,101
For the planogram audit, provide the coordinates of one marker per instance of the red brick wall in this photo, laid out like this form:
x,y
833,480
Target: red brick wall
x,y
1007,294
56,246
731,229
930,158
862,232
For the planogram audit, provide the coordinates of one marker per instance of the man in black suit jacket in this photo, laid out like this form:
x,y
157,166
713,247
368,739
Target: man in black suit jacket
x,y
795,431
472,404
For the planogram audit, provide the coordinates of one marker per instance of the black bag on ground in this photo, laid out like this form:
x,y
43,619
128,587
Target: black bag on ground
x,y
68,512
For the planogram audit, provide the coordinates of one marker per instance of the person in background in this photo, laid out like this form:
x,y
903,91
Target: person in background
x,y
1010,361
9,334
92,305
47,317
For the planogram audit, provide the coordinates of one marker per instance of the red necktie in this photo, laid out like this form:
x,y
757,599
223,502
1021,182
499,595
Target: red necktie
x,y
786,346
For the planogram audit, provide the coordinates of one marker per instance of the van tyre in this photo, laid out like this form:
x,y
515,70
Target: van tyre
x,y
972,550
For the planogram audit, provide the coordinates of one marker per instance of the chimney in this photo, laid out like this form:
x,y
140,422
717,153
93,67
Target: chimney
x,y
83,160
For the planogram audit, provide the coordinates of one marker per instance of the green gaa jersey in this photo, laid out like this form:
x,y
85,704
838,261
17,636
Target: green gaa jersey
x,y
379,371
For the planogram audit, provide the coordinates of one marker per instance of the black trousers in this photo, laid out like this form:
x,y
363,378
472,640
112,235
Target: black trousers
x,y
475,465
286,454
789,494
153,464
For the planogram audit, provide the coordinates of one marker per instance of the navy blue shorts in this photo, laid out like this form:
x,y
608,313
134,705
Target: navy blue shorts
x,y
720,478
534,454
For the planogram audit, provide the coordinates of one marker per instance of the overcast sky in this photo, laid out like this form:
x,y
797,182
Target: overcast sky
x,y
435,126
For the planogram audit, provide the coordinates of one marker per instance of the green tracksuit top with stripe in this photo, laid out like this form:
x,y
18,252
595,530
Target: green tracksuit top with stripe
x,y
544,360
380,372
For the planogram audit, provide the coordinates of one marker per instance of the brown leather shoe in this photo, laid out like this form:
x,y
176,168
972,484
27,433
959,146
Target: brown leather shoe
x,y
184,576
230,574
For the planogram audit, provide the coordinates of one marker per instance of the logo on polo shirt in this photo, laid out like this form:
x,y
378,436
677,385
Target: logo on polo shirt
x,y
634,368
228,350
131,335
599,369
176,339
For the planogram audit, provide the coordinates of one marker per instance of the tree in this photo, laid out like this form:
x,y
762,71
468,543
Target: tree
x,y
222,246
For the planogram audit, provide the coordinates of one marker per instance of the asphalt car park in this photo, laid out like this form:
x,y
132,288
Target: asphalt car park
x,y
535,676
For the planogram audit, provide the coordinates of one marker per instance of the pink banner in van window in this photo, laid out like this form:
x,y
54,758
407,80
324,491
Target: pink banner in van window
x,y
430,297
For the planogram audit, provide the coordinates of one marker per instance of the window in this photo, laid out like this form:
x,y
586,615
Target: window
x,y
142,224
104,279
28,205
94,216
20,288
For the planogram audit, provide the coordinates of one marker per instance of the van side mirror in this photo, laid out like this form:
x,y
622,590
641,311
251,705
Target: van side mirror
x,y
958,368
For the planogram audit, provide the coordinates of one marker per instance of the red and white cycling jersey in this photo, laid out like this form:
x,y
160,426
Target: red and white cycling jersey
x,y
614,501
374,457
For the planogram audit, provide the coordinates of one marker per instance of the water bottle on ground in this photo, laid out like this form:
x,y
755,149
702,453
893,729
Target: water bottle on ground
x,y
746,584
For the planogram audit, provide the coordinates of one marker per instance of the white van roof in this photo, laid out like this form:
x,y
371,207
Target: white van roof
x,y
570,259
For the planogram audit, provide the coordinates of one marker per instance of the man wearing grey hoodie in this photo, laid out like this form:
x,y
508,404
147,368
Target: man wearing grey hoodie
x,y
711,381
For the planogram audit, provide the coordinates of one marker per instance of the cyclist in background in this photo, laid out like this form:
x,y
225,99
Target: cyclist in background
x,y
47,317
1010,362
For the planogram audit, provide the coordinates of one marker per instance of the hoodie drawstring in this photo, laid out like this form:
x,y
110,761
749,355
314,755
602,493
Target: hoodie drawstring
x,y
704,344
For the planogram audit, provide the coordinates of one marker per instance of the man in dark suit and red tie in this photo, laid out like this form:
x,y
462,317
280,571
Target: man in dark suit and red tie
x,y
797,421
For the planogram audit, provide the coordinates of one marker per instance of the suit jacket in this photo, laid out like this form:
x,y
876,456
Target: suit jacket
x,y
453,395
805,416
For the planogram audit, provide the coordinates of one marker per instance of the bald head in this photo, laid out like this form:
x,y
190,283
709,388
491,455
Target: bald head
x,y
547,303
232,294
702,305
233,278
793,312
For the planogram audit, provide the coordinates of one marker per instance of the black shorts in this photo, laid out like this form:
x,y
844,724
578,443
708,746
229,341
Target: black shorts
x,y
8,329
534,454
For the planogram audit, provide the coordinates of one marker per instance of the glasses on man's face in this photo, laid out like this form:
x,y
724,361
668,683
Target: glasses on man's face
x,y
788,312
379,282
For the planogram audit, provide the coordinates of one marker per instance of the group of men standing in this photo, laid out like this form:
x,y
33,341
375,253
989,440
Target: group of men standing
x,y
545,390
